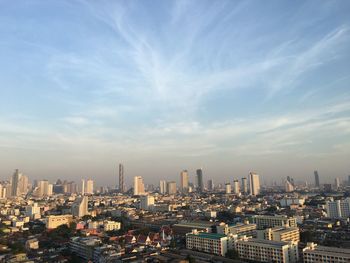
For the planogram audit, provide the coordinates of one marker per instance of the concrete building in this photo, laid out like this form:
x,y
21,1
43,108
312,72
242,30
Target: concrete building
x,y
280,234
171,188
84,246
89,187
313,253
289,187
162,186
53,222
237,229
80,207
139,187
236,188
228,188
111,225
266,221
317,179
200,185
258,250
338,208
184,181
210,185
14,183
33,211
146,202
244,185
254,184
121,183
185,227
207,242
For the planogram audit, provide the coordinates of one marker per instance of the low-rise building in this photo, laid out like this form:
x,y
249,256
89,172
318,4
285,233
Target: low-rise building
x,y
53,222
280,234
313,253
212,243
266,221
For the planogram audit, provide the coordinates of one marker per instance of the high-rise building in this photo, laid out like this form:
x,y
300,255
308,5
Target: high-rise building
x,y
82,186
200,184
349,180
146,201
139,187
162,186
336,183
317,179
244,185
121,178
289,186
210,185
228,188
236,188
89,187
14,183
338,208
254,184
171,188
23,184
184,181
80,207
43,188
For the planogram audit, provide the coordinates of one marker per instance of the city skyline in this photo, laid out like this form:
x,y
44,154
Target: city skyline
x,y
149,85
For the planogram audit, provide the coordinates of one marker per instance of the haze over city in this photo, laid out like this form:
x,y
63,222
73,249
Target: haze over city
x,y
162,86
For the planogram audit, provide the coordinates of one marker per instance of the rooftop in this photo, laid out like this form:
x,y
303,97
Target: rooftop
x,y
207,235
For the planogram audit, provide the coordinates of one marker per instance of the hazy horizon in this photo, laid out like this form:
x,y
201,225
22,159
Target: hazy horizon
x,y
162,86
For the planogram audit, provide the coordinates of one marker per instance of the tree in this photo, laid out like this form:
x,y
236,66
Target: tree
x,y
232,254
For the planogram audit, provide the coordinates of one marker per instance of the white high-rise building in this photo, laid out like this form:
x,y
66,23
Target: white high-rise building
x,y
228,188
254,184
89,187
23,184
82,186
139,187
338,208
146,201
171,188
289,186
336,183
184,181
80,207
43,188
236,188
162,186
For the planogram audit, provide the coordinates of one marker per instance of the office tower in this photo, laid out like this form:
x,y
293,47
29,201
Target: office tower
x,y
162,186
289,186
317,179
236,188
228,188
200,180
89,187
80,207
14,183
70,187
184,181
244,185
23,184
146,201
121,179
171,188
2,191
210,185
82,186
139,187
254,184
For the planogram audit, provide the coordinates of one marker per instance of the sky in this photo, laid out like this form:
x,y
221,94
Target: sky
x,y
162,86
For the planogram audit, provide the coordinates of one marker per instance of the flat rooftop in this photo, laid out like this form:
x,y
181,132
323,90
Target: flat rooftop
x,y
208,235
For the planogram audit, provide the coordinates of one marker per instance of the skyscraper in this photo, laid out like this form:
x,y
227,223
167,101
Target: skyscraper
x,y
317,179
236,189
23,184
228,188
14,183
337,183
254,184
121,178
171,188
244,185
184,181
199,173
162,186
210,185
82,186
80,207
139,187
289,186
89,187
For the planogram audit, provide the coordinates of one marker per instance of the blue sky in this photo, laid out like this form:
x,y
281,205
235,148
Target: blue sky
x,y
161,86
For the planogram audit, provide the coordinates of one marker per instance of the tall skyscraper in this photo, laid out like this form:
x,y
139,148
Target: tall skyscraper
x,y
139,187
244,185
171,188
236,188
23,184
14,183
184,181
200,185
162,186
82,186
337,183
317,179
254,184
228,188
89,187
44,188
210,185
121,178
289,186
